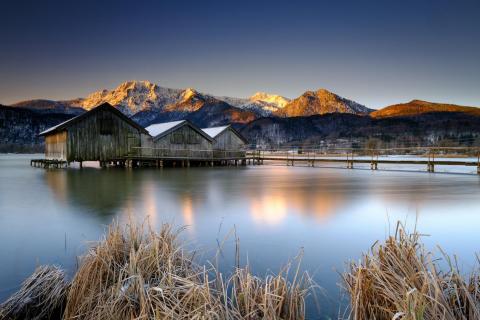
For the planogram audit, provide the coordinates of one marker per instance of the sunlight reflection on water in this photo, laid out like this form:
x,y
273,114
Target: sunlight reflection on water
x,y
333,214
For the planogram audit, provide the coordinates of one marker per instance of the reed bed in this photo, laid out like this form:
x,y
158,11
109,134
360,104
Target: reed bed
x,y
271,298
41,296
400,279
138,274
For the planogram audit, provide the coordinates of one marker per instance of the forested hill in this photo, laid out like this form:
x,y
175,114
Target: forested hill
x,y
434,128
19,128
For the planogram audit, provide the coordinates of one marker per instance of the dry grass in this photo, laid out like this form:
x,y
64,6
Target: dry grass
x,y
270,298
400,279
41,296
133,274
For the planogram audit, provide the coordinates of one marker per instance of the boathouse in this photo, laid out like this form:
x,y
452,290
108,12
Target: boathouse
x,y
228,142
101,134
177,139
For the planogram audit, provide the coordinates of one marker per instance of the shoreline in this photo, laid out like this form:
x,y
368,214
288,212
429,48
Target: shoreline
x,y
397,278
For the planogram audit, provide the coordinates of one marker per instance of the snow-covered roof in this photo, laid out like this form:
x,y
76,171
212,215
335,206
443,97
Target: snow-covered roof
x,y
159,128
214,131
55,127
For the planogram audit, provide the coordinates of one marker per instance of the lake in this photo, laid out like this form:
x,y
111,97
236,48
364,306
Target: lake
x,y
332,214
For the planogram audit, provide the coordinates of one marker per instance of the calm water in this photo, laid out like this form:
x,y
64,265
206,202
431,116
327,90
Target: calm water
x,y
48,217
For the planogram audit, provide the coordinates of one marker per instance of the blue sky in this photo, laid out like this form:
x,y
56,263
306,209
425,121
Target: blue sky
x,y
374,52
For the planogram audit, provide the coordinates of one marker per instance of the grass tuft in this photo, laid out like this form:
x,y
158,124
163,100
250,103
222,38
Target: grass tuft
x,y
135,273
41,296
400,279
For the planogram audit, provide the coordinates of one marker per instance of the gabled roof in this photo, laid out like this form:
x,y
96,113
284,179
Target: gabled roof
x,y
216,131
159,130
103,106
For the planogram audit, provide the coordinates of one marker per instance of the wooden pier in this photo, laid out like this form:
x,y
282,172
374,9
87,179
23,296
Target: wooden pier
x,y
161,157
429,157
48,164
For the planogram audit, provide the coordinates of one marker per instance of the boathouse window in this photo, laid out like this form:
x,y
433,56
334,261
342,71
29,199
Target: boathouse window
x,y
106,124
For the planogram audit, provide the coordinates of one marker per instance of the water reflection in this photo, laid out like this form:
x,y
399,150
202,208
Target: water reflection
x,y
187,210
334,214
269,209
99,192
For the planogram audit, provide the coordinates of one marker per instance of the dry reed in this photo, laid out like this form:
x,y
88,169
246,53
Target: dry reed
x,y
271,298
41,296
400,279
133,274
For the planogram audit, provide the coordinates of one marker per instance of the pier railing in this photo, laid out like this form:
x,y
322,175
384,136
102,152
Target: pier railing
x,y
429,156
187,154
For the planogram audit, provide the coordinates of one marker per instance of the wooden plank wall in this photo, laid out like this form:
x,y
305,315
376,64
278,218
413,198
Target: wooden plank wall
x,y
100,137
56,146
228,140
183,142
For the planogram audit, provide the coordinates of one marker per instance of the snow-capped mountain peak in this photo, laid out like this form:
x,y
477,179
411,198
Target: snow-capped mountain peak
x,y
189,93
133,96
273,99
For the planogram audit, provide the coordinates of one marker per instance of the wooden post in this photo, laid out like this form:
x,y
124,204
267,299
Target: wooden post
x,y
81,164
429,162
478,163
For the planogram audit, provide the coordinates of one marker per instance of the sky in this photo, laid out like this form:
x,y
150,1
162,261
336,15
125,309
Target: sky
x,y
374,52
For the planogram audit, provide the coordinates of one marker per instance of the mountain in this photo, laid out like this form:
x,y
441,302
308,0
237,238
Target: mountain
x,y
321,102
218,114
201,109
418,107
191,100
50,106
347,130
148,103
261,103
132,97
271,99
145,101
264,104
264,118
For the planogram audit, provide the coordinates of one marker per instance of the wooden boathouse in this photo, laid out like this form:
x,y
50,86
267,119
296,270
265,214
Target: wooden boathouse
x,y
227,142
177,142
106,135
102,134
